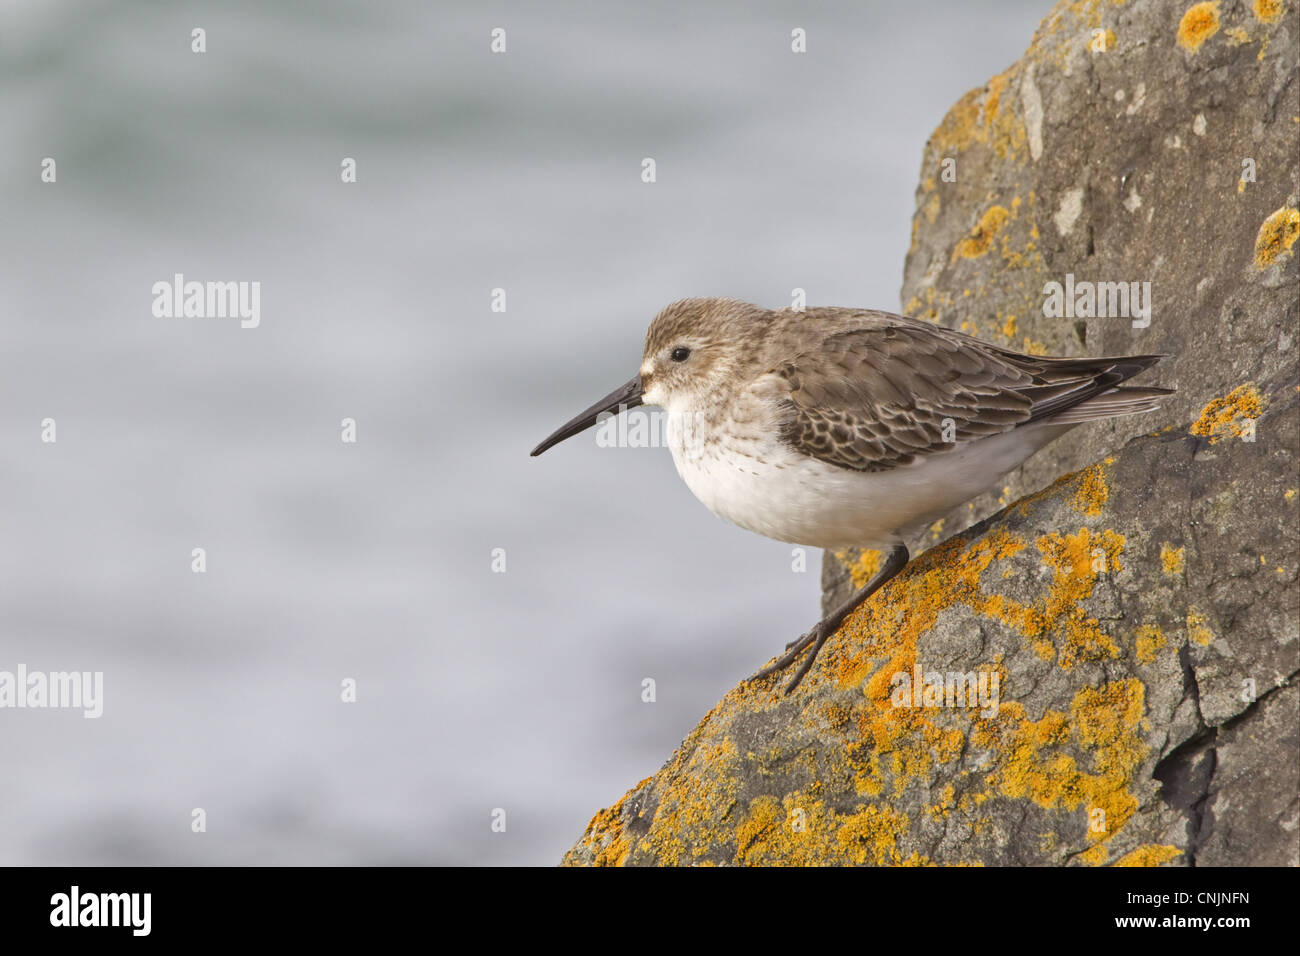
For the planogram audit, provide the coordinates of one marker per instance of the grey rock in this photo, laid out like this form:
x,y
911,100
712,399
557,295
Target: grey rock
x,y
1140,614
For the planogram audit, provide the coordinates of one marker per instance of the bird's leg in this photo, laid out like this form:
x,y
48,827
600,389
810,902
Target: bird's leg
x,y
895,561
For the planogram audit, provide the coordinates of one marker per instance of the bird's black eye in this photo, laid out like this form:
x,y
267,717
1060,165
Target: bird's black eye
x,y
681,354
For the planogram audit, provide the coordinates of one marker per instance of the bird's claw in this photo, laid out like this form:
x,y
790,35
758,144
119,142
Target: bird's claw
x,y
815,638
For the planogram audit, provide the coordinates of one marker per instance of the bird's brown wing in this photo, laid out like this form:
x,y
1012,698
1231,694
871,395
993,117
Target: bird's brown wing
x,y
872,399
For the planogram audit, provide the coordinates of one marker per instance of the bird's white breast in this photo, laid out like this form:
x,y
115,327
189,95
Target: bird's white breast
x,y
741,470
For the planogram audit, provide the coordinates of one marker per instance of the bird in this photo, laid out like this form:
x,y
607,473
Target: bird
x,y
833,427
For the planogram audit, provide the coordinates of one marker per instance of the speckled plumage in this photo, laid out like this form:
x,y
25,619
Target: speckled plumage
x,y
838,427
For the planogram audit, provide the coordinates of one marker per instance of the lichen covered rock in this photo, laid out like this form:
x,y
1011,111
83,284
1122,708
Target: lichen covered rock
x,y
1101,672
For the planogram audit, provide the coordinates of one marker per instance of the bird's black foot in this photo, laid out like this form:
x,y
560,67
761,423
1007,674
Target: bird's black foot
x,y
894,562
814,638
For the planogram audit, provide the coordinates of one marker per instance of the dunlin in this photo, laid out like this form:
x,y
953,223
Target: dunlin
x,y
836,428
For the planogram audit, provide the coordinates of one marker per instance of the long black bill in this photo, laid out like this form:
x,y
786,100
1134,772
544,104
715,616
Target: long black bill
x,y
628,396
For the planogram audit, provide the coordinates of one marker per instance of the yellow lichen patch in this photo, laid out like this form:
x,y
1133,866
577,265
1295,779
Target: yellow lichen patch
x,y
838,715
1226,417
932,207
1236,37
957,130
1277,234
1151,854
927,308
1268,11
1103,722
936,530
1007,134
1009,328
1095,855
1149,640
706,807
982,234
1076,560
904,742
1086,489
1199,23
871,836
1290,494
1033,347
1092,492
1172,559
981,117
800,831
1087,12
1198,628
862,568
605,837
1263,47
697,793
947,801
1101,40
760,836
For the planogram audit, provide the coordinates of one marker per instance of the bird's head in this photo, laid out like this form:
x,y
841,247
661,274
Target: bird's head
x,y
691,346
690,349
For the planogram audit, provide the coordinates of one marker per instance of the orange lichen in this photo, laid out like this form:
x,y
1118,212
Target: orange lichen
x,y
1149,640
1101,40
1277,234
871,835
1227,417
1080,488
1198,628
1095,855
928,308
861,568
1199,23
981,117
605,836
800,831
1172,559
1092,492
1076,560
1268,11
932,207
715,803
1103,721
957,130
1150,854
982,234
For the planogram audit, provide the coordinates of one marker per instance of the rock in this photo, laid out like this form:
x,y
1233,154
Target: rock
x,y
1133,625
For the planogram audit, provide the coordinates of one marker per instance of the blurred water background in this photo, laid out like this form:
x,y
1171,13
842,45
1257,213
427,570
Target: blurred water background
x,y
476,690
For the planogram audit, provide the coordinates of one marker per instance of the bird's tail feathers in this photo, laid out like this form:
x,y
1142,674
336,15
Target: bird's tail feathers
x,y
1112,404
